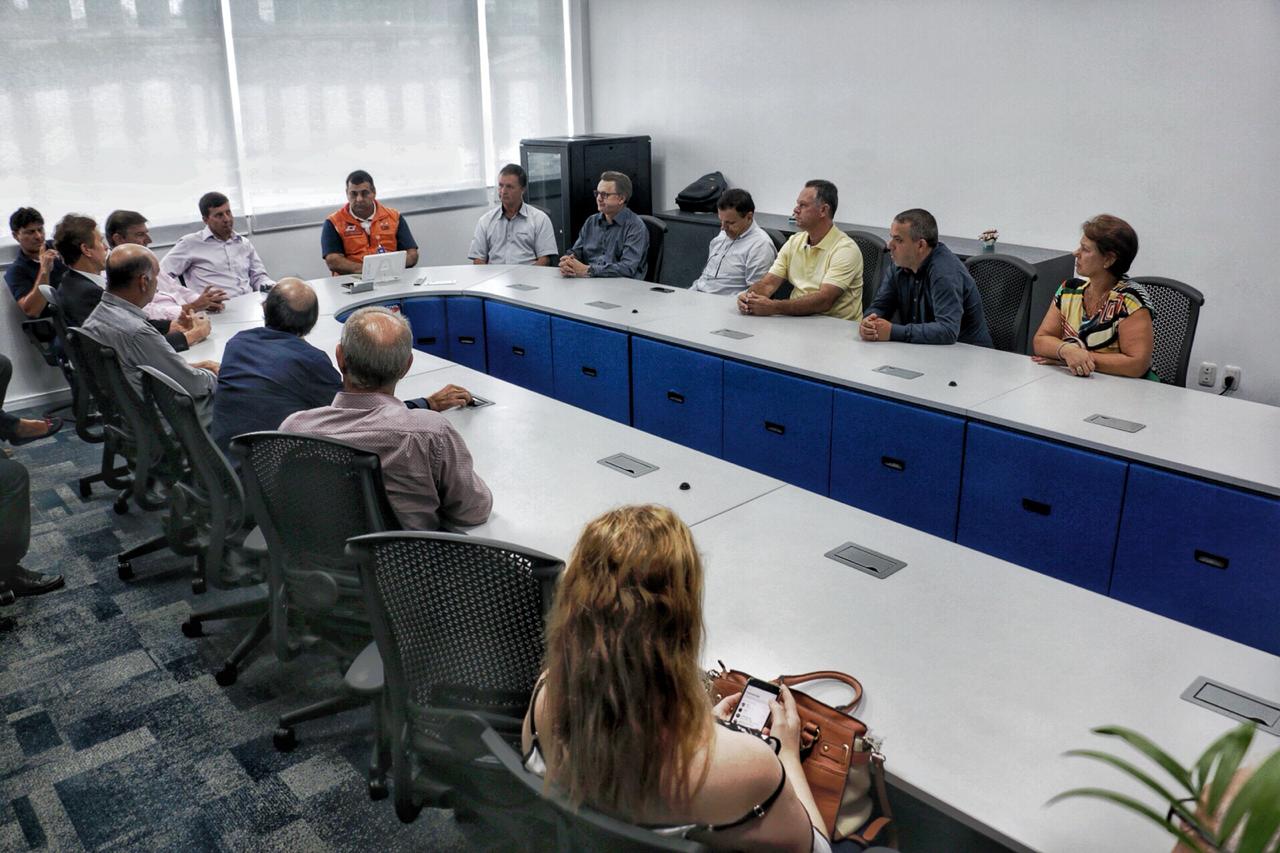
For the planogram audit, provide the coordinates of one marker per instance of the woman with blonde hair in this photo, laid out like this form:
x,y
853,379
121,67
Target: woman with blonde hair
x,y
621,719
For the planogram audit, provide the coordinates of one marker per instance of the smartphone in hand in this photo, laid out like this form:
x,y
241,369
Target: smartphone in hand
x,y
753,712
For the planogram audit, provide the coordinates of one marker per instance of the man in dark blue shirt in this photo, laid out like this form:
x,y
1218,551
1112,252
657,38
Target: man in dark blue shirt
x,y
614,242
37,262
270,372
927,295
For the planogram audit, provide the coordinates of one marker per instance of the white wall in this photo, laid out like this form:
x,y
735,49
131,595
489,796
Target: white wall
x,y
1027,117
443,236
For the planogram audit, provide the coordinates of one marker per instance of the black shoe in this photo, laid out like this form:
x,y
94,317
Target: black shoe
x,y
26,582
6,596
52,425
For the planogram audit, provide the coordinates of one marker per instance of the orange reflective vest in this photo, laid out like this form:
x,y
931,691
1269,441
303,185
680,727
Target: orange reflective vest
x,y
355,243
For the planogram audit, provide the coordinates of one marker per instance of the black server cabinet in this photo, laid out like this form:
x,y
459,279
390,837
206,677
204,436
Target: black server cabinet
x,y
563,171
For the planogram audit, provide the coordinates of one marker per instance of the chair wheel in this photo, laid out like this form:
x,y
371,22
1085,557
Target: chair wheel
x,y
198,586
86,489
284,740
407,812
7,597
227,677
378,789
192,628
121,506
124,570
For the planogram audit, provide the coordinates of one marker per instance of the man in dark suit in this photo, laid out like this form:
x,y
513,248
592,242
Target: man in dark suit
x,y
82,248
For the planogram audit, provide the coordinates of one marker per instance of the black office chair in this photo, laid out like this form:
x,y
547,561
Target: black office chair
x,y
873,250
1005,284
88,427
213,500
533,815
657,237
779,239
459,621
1177,312
43,335
134,431
310,495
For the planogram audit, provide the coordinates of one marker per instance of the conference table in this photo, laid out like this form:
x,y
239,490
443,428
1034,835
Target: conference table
x,y
978,672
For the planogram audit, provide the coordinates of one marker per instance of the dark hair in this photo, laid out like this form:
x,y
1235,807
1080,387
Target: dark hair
x,y
621,183
360,176
739,200
923,225
121,221
515,169
826,193
1113,235
284,317
74,230
122,269
24,216
209,201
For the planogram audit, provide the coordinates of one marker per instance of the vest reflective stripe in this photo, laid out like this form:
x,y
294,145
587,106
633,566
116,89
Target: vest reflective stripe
x,y
355,243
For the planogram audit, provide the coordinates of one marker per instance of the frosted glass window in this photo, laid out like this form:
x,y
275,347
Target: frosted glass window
x,y
386,86
526,72
100,103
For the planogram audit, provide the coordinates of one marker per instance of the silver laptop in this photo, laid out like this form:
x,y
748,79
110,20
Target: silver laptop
x,y
383,266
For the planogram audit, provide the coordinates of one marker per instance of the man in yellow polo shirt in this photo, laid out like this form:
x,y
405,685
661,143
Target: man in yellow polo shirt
x,y
822,263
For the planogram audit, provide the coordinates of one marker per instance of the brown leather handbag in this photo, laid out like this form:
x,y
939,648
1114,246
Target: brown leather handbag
x,y
844,767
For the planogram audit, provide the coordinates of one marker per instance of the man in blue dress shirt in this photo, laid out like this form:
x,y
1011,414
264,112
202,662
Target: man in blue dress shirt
x,y
270,372
615,241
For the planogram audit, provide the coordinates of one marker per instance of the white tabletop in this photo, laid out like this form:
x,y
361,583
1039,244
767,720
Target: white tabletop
x,y
540,459
829,350
977,672
324,336
620,303
1223,439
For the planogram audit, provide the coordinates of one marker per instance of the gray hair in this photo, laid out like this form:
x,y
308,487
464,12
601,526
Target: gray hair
x,y
376,348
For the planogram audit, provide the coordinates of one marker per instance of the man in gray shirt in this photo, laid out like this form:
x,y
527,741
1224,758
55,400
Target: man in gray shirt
x,y
741,253
119,322
514,232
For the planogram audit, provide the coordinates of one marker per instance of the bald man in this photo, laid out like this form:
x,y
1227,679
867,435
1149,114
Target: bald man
x,y
426,467
119,322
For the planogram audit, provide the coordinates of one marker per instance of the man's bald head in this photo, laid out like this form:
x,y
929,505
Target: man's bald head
x,y
291,307
127,264
376,349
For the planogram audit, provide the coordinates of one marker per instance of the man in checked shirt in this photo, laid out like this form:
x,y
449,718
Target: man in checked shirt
x,y
426,466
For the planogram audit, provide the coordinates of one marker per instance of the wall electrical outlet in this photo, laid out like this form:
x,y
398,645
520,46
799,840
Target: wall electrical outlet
x,y
1232,373
1208,374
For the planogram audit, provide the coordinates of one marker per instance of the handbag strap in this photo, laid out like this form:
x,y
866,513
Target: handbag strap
x,y
834,675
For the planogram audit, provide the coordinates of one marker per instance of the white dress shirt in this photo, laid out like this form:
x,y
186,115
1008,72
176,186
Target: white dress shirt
x,y
734,265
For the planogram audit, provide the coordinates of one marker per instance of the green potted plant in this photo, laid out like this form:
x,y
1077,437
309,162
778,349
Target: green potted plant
x,y
1214,806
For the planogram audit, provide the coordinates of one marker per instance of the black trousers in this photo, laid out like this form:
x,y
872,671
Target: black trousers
x,y
8,422
15,515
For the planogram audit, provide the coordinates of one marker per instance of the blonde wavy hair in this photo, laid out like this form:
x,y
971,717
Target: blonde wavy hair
x,y
624,693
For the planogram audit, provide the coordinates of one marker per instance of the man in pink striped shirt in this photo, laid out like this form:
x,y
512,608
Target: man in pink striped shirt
x,y
426,467
129,226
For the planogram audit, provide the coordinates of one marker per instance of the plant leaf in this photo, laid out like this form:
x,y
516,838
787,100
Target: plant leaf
x,y
1132,805
1203,770
1233,749
1181,810
1146,747
1258,802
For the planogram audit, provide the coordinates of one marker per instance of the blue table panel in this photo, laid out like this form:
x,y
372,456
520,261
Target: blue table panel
x,y
778,425
678,394
591,368
466,331
518,343
426,316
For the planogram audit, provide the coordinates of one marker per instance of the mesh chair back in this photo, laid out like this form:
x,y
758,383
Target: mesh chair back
x,y
779,239
873,251
310,495
459,620
657,237
1004,283
81,394
142,440
1177,311
514,789
213,499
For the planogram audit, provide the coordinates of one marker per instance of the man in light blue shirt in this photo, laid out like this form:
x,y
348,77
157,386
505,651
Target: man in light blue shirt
x,y
615,241
741,253
513,232
217,256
